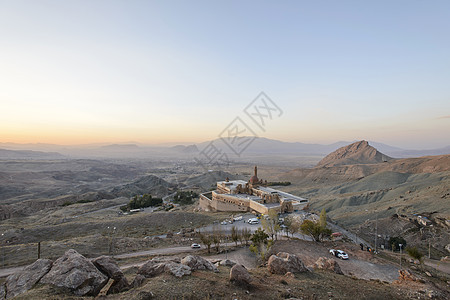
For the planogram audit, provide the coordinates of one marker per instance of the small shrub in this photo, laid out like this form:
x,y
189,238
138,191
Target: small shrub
x,y
85,201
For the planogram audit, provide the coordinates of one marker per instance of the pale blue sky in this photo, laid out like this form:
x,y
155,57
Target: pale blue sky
x,y
163,71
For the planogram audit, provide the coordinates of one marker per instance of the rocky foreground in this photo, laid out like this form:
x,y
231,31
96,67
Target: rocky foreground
x,y
83,277
193,277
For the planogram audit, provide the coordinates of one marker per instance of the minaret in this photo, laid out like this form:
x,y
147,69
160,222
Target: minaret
x,y
254,180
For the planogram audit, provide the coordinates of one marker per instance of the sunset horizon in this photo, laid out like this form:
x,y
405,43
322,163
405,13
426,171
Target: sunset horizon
x,y
113,72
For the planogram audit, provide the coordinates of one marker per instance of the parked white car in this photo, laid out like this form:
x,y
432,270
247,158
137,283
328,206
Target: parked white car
x,y
238,218
253,221
339,253
195,246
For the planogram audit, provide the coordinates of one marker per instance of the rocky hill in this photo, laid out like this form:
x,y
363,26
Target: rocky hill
x,y
353,163
358,183
149,184
357,153
207,180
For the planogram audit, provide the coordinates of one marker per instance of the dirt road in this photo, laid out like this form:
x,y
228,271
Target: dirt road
x,y
442,266
360,263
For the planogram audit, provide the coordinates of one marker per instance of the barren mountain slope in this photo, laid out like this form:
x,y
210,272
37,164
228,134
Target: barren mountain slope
x,y
357,153
334,173
353,194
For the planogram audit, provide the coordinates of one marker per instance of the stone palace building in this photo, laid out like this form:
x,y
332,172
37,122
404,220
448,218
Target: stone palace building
x,y
251,196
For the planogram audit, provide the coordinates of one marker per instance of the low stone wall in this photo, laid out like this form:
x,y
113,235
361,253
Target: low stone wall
x,y
224,206
205,202
259,208
213,201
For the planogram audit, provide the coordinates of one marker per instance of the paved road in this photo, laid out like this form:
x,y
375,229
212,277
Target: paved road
x,y
357,240
442,266
160,251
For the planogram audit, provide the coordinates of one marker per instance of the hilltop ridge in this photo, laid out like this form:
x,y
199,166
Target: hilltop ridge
x,y
357,153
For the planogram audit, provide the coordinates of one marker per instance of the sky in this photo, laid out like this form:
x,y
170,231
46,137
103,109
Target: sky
x,y
77,72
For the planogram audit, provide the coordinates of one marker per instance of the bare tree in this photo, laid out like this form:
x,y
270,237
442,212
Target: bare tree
x,y
292,224
206,240
234,235
217,238
246,235
270,224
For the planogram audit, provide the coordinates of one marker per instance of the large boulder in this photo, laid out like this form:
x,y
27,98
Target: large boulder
x,y
108,266
119,286
240,275
227,263
328,264
177,270
77,273
152,268
25,279
156,267
138,281
198,263
284,262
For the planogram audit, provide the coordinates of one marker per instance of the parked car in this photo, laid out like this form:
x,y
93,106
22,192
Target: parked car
x,y
224,223
195,246
252,221
237,218
339,253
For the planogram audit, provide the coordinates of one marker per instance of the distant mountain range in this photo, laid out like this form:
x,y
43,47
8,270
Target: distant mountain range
x,y
259,146
29,154
269,146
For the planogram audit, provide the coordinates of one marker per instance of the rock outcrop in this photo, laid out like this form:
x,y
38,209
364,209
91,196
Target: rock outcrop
x,y
240,275
198,263
177,270
25,279
108,266
284,262
77,273
138,281
156,267
152,268
2,291
227,263
119,286
357,153
328,264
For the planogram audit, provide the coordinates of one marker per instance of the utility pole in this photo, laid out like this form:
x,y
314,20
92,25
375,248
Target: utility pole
x,y
429,242
376,233
400,245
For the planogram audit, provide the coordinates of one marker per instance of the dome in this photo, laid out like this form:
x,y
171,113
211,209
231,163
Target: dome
x,y
254,179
